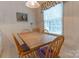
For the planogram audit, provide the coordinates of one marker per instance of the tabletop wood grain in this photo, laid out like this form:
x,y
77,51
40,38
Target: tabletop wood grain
x,y
35,39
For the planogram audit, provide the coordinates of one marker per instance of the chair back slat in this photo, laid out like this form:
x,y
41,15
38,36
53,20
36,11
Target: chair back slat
x,y
54,47
16,42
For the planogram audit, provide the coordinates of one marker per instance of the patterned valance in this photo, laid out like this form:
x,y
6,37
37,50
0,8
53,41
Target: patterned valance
x,y
49,4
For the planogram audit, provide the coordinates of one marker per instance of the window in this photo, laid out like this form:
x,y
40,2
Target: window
x,y
53,18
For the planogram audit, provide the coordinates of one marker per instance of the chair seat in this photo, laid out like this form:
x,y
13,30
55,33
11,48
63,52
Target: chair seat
x,y
25,47
42,51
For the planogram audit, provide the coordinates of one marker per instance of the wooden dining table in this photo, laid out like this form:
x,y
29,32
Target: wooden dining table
x,y
36,39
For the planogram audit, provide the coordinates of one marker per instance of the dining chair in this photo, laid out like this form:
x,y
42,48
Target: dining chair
x,y
24,51
36,29
40,30
52,49
22,48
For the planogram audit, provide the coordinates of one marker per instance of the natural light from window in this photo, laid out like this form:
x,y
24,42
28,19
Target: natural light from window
x,y
53,19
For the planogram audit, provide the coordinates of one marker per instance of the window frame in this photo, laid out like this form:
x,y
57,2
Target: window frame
x,y
62,23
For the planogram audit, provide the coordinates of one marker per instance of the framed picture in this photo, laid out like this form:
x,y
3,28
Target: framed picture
x,y
21,16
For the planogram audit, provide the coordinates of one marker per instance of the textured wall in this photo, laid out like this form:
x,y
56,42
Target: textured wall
x,y
71,23
8,15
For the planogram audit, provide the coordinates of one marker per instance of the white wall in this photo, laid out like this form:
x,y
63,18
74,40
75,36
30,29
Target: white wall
x,y
71,23
8,19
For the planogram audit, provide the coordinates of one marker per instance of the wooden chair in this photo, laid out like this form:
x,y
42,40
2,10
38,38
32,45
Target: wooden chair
x,y
52,49
24,51
40,30
36,29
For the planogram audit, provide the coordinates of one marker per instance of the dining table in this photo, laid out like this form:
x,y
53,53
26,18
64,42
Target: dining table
x,y
36,39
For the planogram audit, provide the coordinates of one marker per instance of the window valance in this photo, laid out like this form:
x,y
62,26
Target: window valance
x,y
49,4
